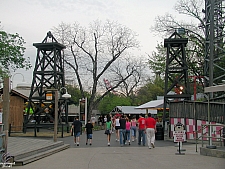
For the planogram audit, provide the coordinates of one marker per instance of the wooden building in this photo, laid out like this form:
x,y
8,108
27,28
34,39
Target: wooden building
x,y
18,98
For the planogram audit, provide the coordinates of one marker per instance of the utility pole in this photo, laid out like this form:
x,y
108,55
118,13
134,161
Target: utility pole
x,y
6,101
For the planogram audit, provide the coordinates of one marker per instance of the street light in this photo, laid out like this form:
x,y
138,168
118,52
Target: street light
x,y
83,101
66,95
21,84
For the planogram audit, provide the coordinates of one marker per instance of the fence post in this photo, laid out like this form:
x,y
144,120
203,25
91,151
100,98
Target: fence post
x,y
10,128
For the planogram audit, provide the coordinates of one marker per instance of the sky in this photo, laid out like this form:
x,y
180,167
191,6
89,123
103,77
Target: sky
x,y
32,19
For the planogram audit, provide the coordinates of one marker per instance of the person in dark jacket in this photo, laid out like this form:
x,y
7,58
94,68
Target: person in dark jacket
x,y
76,129
122,130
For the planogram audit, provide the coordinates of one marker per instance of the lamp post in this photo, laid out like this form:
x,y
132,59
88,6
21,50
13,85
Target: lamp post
x,y
66,95
83,101
85,111
23,83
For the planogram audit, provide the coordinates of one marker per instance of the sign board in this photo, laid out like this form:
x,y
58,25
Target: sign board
x,y
179,136
48,96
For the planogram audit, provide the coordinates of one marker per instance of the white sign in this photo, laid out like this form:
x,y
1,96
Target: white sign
x,y
179,136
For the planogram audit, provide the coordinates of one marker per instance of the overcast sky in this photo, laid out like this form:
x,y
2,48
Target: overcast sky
x,y
32,19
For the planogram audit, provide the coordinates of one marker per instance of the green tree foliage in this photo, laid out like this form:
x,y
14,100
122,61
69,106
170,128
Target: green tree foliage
x,y
12,53
109,102
157,61
75,94
150,91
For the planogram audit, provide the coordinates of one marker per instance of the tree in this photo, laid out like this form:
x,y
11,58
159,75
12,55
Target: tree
x,y
157,61
150,91
109,102
12,53
129,87
94,52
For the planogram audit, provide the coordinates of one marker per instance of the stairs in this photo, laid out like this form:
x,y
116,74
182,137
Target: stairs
x,y
26,150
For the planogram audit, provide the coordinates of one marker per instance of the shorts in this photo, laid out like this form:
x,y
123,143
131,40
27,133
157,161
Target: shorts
x,y
117,127
89,136
77,134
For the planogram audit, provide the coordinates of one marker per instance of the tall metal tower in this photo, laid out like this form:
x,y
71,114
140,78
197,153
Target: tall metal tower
x,y
176,74
214,70
48,74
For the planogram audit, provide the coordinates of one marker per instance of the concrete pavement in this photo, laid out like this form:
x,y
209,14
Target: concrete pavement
x,y
100,156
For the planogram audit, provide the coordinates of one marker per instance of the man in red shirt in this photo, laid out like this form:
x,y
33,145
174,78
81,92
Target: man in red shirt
x,y
150,131
141,130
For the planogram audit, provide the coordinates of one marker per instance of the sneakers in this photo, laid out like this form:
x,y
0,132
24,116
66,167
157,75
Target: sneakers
x,y
108,144
153,146
149,147
86,143
90,144
129,143
77,144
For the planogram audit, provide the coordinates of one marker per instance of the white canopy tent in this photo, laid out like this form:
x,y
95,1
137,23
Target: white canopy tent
x,y
127,110
154,104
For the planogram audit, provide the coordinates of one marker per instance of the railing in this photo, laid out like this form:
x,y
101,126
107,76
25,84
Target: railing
x,y
221,137
14,129
197,138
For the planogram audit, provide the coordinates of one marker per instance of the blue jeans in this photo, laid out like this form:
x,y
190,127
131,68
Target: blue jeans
x,y
128,135
141,134
133,131
122,136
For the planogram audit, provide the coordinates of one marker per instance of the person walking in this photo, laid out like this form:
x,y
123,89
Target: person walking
x,y
150,131
93,120
108,130
128,125
117,127
88,129
141,130
122,130
105,120
76,129
133,128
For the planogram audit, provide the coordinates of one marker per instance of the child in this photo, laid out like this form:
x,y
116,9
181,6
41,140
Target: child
x,y
88,130
108,130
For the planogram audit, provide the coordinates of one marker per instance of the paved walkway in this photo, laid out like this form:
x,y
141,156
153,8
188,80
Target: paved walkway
x,y
100,156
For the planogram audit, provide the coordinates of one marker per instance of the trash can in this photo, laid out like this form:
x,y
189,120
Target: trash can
x,y
159,135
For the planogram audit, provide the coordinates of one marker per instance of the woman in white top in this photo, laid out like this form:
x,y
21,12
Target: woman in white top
x,y
117,127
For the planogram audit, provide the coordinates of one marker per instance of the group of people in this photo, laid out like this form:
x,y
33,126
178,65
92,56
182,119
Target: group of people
x,y
76,129
125,130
